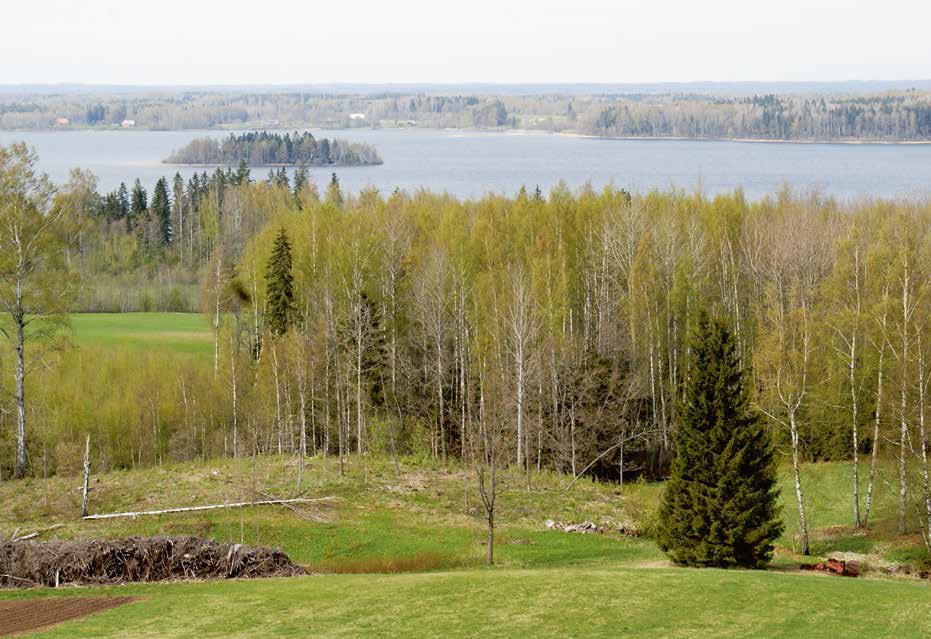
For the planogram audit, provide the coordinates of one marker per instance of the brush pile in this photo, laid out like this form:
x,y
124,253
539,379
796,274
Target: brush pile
x,y
135,559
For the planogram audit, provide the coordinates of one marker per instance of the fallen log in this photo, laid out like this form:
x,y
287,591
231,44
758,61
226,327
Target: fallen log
x,y
34,534
303,514
187,509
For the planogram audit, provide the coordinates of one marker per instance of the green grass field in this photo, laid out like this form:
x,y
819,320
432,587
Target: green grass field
x,y
546,583
181,332
418,540
557,602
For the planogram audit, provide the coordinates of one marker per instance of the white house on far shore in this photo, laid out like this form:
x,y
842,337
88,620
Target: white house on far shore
x,y
128,124
356,116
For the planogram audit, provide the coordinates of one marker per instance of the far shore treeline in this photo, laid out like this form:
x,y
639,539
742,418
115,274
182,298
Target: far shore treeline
x,y
263,148
877,116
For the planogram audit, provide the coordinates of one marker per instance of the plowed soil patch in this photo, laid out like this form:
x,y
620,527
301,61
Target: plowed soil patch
x,y
33,614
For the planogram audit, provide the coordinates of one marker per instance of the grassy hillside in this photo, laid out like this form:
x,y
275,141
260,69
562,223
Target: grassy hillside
x,y
373,517
376,516
555,583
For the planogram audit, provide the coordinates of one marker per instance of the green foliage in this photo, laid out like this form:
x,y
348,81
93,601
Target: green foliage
x,y
161,208
262,148
279,285
719,507
139,205
333,194
547,583
36,281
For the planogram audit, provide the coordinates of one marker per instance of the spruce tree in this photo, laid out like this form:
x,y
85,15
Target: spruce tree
x,y
279,284
139,206
301,179
242,175
719,507
161,207
122,195
333,193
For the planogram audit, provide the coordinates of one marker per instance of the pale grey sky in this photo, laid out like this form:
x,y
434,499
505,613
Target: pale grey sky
x,y
511,41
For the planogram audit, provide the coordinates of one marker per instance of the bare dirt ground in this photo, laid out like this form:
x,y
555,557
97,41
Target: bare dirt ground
x,y
32,614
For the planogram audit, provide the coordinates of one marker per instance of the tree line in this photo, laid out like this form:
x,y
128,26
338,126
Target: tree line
x,y
808,118
263,148
141,250
420,323
894,116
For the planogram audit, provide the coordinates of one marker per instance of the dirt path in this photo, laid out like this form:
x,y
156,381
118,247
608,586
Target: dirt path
x,y
32,614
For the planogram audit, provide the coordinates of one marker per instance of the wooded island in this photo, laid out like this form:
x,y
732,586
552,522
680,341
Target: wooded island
x,y
261,148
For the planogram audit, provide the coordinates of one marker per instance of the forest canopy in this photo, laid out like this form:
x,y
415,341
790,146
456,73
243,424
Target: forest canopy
x,y
262,148
410,319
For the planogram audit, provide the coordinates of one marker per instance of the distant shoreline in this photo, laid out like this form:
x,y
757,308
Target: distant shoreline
x,y
568,134
264,166
742,140
668,138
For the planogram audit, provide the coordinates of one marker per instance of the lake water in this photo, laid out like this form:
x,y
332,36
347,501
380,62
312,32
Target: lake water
x,y
470,163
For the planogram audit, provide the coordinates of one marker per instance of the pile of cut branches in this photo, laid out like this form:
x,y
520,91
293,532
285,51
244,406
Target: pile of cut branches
x,y
135,559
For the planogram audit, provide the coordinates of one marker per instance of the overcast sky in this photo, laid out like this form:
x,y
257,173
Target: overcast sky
x,y
508,41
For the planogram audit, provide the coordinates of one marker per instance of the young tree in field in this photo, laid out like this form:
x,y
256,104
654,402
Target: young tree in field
x,y
719,507
279,286
486,445
33,238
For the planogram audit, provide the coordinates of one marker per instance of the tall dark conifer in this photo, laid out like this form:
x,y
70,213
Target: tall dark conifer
x,y
279,285
333,193
122,195
719,507
161,207
139,205
242,174
301,179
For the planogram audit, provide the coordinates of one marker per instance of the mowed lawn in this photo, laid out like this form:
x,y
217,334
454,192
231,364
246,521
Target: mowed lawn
x,y
568,602
180,332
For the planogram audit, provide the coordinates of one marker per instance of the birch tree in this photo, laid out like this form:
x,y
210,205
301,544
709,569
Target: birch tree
x,y
34,288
